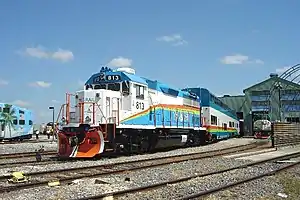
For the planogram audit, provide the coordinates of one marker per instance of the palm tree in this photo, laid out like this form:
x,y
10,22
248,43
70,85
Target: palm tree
x,y
7,117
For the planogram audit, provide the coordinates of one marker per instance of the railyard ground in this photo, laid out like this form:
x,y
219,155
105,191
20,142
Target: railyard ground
x,y
285,185
282,186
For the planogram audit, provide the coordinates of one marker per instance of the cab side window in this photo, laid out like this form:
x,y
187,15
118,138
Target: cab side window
x,y
125,87
140,92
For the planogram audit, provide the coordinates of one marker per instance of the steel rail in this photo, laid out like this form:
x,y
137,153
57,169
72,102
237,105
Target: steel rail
x,y
218,189
105,169
165,183
24,141
45,161
25,154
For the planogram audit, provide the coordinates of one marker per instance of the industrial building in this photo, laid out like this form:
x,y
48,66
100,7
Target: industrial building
x,y
274,99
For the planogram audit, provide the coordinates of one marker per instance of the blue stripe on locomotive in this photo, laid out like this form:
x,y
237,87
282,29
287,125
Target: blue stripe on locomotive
x,y
164,118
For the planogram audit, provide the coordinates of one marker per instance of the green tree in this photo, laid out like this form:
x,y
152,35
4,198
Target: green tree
x,y
7,118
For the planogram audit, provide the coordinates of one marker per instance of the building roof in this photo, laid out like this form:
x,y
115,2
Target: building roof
x,y
234,102
275,78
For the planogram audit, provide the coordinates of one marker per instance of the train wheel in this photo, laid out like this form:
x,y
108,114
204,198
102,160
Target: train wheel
x,y
190,140
143,146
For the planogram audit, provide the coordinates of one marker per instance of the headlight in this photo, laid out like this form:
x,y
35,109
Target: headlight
x,y
87,119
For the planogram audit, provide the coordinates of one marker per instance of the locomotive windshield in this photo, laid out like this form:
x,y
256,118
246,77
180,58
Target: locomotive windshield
x,y
100,86
114,86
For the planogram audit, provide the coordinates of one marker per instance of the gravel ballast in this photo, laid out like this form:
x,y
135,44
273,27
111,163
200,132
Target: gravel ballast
x,y
64,165
87,187
27,147
110,183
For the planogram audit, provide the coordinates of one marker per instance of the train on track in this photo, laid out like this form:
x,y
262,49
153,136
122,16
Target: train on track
x,y
16,123
119,111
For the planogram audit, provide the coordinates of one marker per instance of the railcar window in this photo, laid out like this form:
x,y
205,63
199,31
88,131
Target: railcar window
x,y
21,122
0,109
15,122
30,122
231,124
2,126
21,111
213,120
140,92
225,126
114,86
125,87
101,86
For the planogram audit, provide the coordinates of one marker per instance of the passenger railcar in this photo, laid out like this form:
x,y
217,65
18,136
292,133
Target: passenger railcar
x,y
16,123
120,111
218,119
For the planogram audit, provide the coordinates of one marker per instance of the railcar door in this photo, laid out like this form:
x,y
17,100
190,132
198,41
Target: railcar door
x,y
115,110
140,103
126,97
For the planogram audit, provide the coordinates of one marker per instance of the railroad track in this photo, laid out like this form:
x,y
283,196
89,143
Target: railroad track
x,y
25,154
44,161
54,160
68,175
26,141
120,193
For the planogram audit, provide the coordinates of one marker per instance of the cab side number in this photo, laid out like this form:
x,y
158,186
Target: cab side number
x,y
139,105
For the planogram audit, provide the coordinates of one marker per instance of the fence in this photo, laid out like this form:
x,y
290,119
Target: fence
x,y
286,134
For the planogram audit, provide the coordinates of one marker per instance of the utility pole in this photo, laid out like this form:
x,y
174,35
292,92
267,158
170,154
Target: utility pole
x,y
53,125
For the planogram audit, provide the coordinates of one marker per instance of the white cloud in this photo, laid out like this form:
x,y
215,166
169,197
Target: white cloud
x,y
179,43
3,82
20,103
258,61
38,52
42,53
120,62
175,39
63,55
41,84
282,70
238,59
234,59
55,101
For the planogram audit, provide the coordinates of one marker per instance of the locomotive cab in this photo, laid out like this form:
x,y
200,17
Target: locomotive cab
x,y
110,96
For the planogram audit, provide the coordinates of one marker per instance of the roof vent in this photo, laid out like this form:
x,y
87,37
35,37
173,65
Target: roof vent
x,y
226,95
273,75
126,69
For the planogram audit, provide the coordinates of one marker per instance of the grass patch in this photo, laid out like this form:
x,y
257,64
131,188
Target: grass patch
x,y
291,185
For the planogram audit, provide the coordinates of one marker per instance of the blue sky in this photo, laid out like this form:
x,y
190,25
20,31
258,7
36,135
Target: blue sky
x,y
50,47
